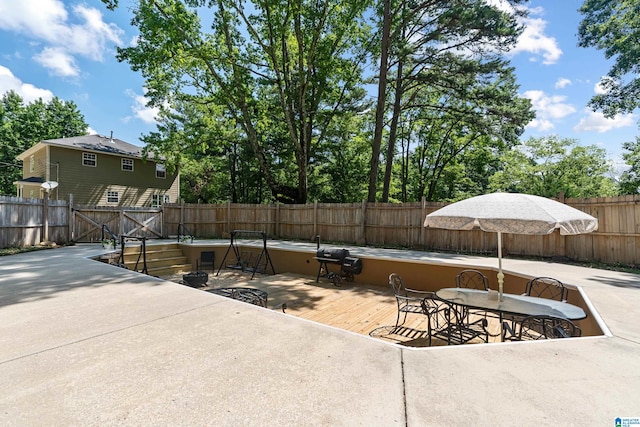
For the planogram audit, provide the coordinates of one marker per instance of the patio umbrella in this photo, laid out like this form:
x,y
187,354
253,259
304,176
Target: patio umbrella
x,y
513,213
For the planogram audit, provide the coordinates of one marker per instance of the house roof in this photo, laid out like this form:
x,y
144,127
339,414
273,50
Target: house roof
x,y
31,180
103,144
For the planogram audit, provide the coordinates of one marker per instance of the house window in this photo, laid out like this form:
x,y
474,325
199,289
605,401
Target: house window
x,y
158,199
32,163
89,159
113,197
160,171
127,165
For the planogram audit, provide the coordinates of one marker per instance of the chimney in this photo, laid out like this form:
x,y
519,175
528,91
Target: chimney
x,y
111,137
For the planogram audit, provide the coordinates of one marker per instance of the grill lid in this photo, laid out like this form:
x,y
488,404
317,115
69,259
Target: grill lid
x,y
332,253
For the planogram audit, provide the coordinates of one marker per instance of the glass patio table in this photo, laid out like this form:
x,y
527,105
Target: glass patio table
x,y
519,305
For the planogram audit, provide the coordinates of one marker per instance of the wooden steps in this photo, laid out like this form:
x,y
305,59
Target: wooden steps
x,y
162,259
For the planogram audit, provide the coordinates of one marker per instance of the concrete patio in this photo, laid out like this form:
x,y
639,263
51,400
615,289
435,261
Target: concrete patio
x,y
86,343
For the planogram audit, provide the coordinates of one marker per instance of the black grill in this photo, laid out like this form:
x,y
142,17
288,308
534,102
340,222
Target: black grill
x,y
352,265
349,266
332,255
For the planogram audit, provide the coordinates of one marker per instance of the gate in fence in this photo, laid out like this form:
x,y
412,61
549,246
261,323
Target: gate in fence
x,y
87,222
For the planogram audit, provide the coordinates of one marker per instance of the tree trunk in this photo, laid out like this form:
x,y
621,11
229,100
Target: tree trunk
x,y
393,131
382,93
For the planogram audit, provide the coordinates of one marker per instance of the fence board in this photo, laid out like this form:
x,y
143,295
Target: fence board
x,y
297,222
378,224
22,221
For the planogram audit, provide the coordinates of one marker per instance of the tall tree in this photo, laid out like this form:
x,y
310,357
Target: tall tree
x,y
550,166
614,26
630,179
340,170
451,143
437,44
385,45
279,68
23,125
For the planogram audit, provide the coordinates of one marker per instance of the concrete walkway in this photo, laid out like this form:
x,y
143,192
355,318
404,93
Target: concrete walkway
x,y
85,343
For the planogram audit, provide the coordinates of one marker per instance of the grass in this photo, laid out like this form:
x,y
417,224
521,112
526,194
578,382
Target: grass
x,y
603,266
14,251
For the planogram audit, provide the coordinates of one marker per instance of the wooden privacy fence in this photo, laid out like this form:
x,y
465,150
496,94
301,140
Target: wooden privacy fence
x,y
27,222
87,222
401,225
373,224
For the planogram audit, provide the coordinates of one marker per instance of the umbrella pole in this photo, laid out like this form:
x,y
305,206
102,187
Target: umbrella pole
x,y
500,273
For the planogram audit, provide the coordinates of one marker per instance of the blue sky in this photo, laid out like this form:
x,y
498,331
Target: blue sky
x,y
67,49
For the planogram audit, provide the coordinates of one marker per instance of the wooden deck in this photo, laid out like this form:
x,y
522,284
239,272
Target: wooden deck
x,y
356,307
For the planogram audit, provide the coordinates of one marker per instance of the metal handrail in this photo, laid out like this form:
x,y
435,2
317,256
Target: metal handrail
x,y
113,237
142,254
183,231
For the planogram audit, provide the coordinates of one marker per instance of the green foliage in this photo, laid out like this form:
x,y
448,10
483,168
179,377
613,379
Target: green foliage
x,y
457,145
442,62
267,102
278,73
614,26
551,166
339,171
22,126
630,179
216,164
275,92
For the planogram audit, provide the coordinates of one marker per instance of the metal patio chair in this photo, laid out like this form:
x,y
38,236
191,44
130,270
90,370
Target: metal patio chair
x,y
446,323
539,328
541,287
472,279
409,300
546,287
207,259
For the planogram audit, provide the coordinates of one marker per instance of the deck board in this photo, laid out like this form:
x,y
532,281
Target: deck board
x,y
356,307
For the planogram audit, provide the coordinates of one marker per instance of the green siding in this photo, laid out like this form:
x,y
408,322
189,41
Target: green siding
x,y
89,185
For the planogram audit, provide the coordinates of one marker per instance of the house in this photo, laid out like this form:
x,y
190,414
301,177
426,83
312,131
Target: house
x,y
98,171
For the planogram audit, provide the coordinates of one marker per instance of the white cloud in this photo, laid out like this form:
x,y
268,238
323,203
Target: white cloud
x,y
58,61
91,131
533,40
27,91
93,37
548,108
141,110
503,5
540,124
604,85
42,19
562,83
595,121
84,33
